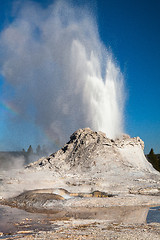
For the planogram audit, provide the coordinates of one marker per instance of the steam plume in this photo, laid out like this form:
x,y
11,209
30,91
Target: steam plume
x,y
63,76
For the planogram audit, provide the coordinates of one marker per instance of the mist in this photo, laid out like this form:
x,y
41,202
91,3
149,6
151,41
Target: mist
x,y
62,76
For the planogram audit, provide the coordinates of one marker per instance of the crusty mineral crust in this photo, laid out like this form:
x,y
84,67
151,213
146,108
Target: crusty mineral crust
x,y
89,162
85,149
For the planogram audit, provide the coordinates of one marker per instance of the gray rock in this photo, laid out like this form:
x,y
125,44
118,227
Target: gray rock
x,y
88,149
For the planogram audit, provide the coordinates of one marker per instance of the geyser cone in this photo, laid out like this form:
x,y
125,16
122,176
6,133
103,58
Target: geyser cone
x,y
93,153
89,162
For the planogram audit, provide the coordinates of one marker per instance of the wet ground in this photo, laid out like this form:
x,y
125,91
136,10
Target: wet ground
x,y
153,215
14,221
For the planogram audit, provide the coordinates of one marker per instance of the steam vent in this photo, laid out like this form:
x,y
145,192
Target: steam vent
x,y
89,170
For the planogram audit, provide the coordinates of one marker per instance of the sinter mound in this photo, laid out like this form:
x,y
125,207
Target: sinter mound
x,y
104,164
90,162
89,151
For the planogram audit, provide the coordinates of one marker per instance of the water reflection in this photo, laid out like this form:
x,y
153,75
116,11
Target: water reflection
x,y
112,214
154,215
13,219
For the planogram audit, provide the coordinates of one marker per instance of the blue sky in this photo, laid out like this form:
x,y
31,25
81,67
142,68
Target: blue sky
x,y
131,28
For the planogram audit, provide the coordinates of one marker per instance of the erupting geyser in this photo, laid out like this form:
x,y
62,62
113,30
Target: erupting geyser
x,y
63,76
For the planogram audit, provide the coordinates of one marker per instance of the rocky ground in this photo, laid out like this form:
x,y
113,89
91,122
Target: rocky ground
x,y
101,231
93,230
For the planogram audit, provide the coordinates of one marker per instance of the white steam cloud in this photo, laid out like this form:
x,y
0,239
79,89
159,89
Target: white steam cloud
x,y
63,76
